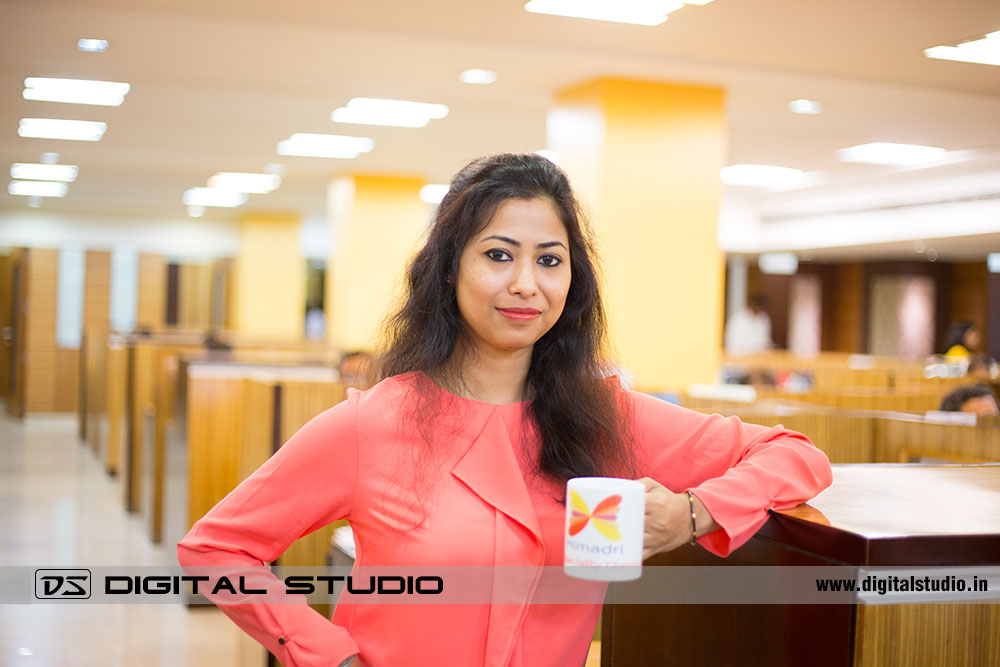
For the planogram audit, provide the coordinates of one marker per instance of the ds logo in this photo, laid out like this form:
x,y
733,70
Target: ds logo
x,y
62,584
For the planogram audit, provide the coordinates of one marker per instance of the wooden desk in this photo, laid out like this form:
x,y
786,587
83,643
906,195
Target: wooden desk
x,y
872,516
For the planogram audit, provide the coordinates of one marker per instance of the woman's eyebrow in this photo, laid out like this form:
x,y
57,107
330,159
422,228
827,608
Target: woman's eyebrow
x,y
507,239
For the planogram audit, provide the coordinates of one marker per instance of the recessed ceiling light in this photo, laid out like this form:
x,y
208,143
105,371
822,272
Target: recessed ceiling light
x,y
761,176
549,155
433,193
34,202
239,182
804,106
881,152
43,172
92,45
37,189
778,263
325,145
52,128
393,113
985,51
49,158
213,197
75,91
637,12
196,211
479,77
276,169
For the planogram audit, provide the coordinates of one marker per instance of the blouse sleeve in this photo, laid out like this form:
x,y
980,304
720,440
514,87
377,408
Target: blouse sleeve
x,y
737,470
309,482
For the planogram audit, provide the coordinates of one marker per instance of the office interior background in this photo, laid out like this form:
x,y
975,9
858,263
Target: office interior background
x,y
866,254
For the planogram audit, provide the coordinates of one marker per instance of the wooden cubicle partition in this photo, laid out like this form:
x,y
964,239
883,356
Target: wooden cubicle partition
x,y
116,391
899,441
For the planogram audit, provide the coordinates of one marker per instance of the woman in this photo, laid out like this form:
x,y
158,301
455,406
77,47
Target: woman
x,y
490,398
963,339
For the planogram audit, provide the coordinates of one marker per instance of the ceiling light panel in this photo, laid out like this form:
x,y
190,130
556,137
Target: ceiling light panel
x,y
761,176
240,182
213,197
891,154
37,189
478,77
75,91
637,12
985,51
325,145
52,128
804,106
92,45
43,172
393,113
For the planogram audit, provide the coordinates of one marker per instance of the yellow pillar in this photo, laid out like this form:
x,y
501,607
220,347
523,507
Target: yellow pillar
x,y
645,158
269,279
377,225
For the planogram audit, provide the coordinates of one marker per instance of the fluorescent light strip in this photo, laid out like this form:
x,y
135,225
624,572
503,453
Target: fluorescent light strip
x,y
478,77
37,189
325,145
240,182
637,12
43,172
213,197
984,51
896,155
761,176
51,128
92,45
392,113
75,91
433,193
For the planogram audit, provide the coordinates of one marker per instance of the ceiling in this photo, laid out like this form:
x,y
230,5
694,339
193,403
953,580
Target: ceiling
x,y
216,85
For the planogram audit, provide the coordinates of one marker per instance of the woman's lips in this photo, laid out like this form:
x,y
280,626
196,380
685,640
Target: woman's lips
x,y
521,314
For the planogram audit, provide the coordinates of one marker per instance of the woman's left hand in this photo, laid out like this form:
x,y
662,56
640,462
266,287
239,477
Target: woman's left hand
x,y
668,519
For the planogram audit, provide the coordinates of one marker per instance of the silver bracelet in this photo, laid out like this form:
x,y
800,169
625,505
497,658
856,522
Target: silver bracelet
x,y
348,661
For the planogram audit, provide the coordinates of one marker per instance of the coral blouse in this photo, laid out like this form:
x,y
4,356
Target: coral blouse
x,y
471,499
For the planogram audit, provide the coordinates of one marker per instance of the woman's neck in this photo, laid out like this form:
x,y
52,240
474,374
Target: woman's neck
x,y
489,376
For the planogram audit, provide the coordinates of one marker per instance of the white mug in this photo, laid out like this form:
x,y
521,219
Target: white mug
x,y
605,520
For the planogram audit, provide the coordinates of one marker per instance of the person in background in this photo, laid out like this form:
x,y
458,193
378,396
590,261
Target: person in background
x,y
977,398
355,369
981,368
963,339
749,330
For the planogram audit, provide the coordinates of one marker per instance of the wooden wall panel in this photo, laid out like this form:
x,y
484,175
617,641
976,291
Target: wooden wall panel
x,y
67,387
152,291
970,295
195,296
214,428
6,319
97,289
40,360
848,288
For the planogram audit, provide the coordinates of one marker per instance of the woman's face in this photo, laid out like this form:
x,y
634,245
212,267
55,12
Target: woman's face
x,y
513,276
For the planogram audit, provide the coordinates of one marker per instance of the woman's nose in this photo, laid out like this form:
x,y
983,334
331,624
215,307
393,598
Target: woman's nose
x,y
524,281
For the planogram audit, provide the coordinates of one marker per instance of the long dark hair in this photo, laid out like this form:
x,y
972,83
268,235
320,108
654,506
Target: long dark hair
x,y
582,424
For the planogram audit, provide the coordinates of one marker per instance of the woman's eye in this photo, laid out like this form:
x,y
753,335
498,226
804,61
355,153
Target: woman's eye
x,y
549,260
498,255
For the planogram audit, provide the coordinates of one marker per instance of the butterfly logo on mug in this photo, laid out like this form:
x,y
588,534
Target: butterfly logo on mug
x,y
604,516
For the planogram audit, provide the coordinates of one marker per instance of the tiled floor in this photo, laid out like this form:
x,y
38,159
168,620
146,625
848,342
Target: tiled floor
x,y
59,508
